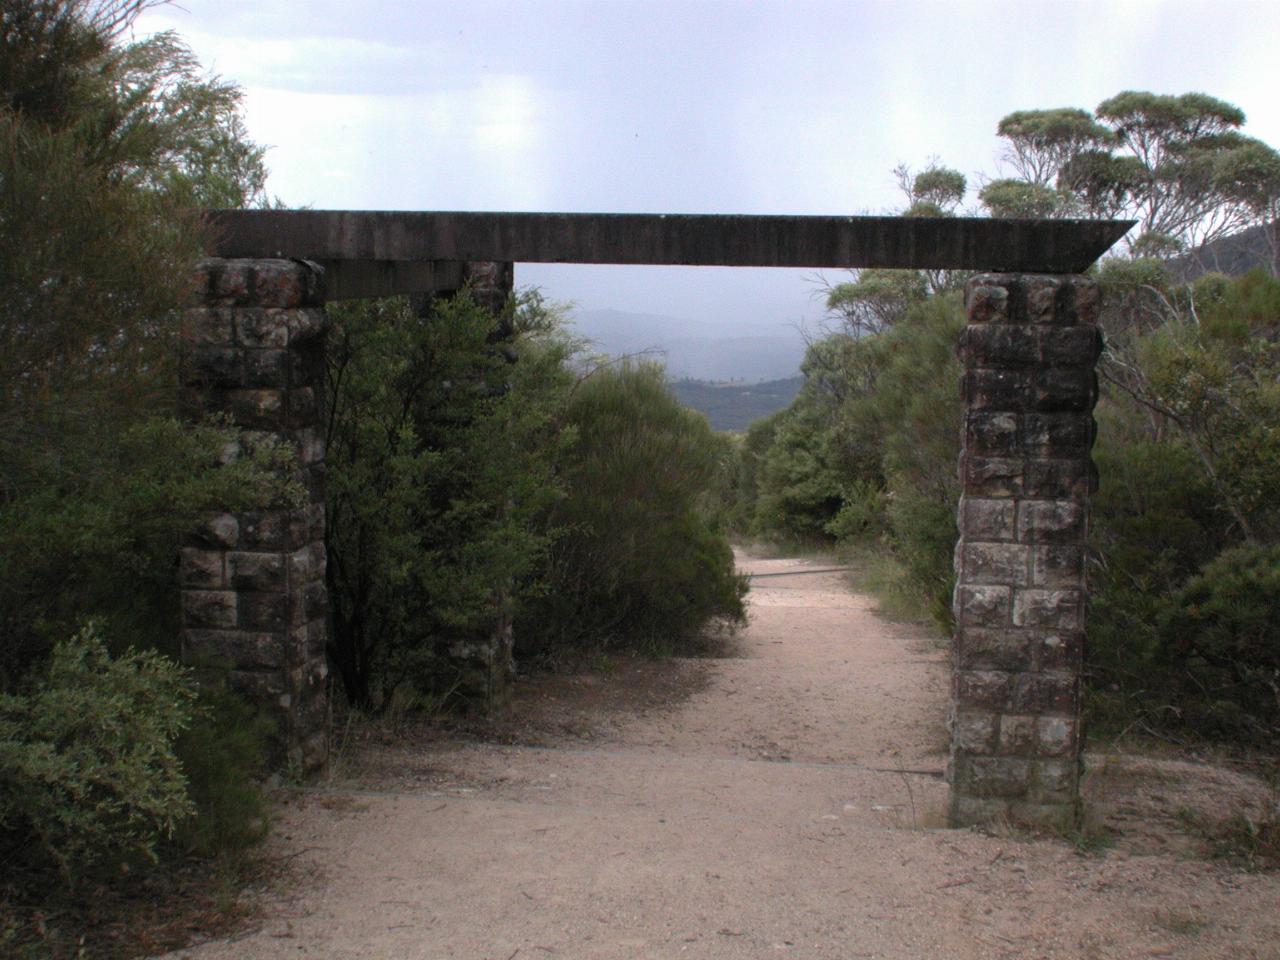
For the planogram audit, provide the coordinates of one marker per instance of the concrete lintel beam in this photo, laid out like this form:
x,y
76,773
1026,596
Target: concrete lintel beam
x,y
360,279
961,243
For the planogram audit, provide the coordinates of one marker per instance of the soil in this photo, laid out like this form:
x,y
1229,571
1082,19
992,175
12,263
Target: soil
x,y
781,796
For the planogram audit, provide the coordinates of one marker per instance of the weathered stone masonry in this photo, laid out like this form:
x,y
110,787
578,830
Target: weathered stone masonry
x,y
1029,386
254,602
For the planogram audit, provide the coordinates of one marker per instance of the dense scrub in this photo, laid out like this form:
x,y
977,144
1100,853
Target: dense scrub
x,y
109,753
470,484
637,554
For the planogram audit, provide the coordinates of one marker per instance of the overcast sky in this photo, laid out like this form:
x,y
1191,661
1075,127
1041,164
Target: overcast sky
x,y
677,106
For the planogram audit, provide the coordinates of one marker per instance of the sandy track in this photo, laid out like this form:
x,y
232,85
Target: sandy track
x,y
783,801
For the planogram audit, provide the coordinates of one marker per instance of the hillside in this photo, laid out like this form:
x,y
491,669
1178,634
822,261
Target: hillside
x,y
735,406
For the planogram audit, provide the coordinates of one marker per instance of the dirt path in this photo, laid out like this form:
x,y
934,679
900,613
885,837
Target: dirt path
x,y
784,800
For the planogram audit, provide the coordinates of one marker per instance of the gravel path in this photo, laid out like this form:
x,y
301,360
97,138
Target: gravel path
x,y
782,801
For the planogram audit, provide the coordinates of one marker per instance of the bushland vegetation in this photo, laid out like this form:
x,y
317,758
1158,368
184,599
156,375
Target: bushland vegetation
x,y
109,753
1183,542
470,484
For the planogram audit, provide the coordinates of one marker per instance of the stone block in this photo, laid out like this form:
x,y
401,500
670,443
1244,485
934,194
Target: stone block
x,y
201,569
258,283
260,327
974,732
1057,565
262,687
315,597
969,811
317,641
288,283
980,648
987,563
1070,346
306,324
203,327
257,409
1057,778
1057,435
1049,816
997,389
310,442
991,434
1007,777
256,571
1057,736
1058,479
209,608
1060,650
1045,694
307,563
212,367
987,299
304,409
1043,295
999,346
1049,609
1063,389
1051,521
990,477
1018,735
1086,300
991,520
983,605
237,649
263,530
221,530
313,518
264,612
981,691
265,368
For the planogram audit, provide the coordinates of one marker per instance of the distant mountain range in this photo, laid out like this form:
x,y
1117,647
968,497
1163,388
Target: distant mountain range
x,y
697,349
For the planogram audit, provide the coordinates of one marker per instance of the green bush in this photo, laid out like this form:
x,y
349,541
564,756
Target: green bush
x,y
1222,629
637,560
439,461
222,754
91,523
87,763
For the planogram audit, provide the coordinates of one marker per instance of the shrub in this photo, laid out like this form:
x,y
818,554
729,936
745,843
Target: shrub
x,y
637,559
222,753
439,460
91,524
87,756
1221,628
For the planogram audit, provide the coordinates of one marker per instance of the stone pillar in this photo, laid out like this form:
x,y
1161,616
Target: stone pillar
x,y
1029,386
254,601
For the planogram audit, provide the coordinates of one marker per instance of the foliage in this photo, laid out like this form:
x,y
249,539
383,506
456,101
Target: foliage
x,y
221,753
1176,164
86,751
639,559
1221,628
105,146
440,456
95,532
1017,198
